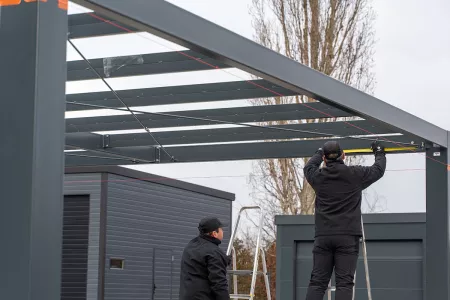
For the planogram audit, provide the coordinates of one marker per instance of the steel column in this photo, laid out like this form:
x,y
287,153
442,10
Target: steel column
x,y
437,225
32,75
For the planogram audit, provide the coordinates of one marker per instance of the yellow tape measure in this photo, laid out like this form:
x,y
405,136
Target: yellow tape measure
x,y
368,150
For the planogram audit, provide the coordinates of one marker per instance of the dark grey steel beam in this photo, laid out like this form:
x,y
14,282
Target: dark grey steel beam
x,y
91,25
437,258
264,113
225,152
184,28
145,64
33,71
84,140
89,158
179,94
224,135
97,144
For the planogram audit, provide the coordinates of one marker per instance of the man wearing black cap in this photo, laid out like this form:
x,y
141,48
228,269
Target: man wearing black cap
x,y
204,265
338,189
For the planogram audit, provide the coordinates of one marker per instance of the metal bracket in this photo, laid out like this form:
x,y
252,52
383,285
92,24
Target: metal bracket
x,y
157,154
437,146
106,141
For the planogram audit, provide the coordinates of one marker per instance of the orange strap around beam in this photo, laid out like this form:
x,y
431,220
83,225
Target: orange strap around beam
x,y
62,4
9,2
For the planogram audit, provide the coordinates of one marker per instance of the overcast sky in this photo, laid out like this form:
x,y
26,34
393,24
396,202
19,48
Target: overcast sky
x,y
412,62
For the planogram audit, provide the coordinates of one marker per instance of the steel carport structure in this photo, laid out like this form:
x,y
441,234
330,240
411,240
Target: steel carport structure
x,y
34,70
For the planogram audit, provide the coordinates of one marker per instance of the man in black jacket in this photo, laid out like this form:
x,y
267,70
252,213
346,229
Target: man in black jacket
x,y
338,189
204,265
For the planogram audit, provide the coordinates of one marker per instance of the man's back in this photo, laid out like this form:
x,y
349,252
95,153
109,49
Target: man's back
x,y
203,270
338,190
338,216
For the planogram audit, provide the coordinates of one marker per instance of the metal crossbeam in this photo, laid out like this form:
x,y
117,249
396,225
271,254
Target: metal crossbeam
x,y
85,25
265,113
180,94
224,135
228,152
145,64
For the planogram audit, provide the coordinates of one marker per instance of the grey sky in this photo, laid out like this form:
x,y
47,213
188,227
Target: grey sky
x,y
412,59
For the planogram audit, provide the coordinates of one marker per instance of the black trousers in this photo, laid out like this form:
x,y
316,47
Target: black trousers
x,y
341,253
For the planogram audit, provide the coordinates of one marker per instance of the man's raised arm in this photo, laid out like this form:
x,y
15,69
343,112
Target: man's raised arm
x,y
370,175
313,165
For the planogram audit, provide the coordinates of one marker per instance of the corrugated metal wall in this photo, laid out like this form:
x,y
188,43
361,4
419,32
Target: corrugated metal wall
x,y
89,184
146,220
396,250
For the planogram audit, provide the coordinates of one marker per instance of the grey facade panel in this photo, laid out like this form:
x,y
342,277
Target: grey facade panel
x,y
148,225
89,184
395,270
396,256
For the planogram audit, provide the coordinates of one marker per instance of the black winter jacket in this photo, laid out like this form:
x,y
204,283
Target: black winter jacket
x,y
204,270
338,190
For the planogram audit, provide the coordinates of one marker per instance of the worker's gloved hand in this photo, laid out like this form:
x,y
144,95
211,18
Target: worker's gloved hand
x,y
320,151
377,148
229,260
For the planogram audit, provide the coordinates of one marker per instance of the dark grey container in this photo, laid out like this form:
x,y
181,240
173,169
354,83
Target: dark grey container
x,y
396,257
125,230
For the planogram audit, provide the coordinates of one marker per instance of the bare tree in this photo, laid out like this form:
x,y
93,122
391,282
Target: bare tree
x,y
335,37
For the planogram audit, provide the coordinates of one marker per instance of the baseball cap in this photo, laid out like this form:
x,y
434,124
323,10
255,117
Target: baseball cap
x,y
332,150
209,224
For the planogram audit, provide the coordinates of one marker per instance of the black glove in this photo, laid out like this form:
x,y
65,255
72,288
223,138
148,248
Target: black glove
x,y
320,151
377,148
229,260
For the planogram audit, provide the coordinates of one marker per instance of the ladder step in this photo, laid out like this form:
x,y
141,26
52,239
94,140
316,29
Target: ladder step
x,y
244,272
240,296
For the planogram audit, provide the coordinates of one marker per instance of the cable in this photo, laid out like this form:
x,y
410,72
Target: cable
x,y
120,99
230,123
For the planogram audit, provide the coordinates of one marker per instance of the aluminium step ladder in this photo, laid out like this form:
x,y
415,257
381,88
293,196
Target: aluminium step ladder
x,y
366,269
259,252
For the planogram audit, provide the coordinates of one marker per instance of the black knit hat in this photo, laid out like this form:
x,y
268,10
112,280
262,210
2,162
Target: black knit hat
x,y
332,150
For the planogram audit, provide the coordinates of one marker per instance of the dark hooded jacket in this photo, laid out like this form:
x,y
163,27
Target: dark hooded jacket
x,y
338,190
204,270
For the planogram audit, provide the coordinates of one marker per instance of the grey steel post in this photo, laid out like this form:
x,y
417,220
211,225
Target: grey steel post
x,y
32,79
437,273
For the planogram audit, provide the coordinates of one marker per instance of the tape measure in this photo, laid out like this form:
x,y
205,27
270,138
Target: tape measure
x,y
368,150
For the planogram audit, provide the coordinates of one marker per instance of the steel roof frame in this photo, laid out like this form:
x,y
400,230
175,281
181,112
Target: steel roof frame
x,y
277,75
225,46
186,29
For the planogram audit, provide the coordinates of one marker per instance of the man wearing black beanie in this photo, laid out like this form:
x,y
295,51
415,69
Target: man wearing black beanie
x,y
338,189
204,265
